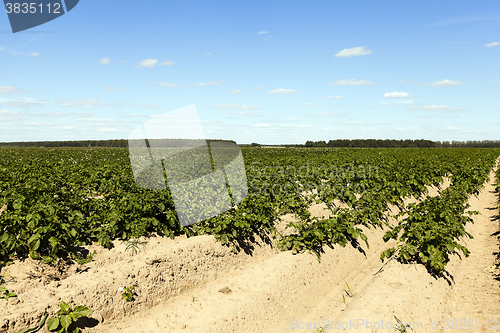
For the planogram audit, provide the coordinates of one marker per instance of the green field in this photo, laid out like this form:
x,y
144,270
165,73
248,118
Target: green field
x,y
56,200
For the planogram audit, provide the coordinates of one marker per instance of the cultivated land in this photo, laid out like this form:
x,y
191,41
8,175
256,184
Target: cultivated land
x,y
197,284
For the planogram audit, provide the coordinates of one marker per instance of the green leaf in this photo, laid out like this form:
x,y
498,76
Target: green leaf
x,y
81,311
64,307
66,320
52,324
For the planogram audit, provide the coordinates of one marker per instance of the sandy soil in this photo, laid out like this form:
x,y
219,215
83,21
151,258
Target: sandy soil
x,y
197,285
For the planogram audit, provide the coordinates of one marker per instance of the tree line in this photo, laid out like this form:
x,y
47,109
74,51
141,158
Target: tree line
x,y
374,143
97,143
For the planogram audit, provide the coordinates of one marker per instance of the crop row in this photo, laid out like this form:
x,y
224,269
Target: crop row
x,y
56,199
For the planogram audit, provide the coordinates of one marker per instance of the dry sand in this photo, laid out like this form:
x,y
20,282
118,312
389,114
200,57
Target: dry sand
x,y
197,285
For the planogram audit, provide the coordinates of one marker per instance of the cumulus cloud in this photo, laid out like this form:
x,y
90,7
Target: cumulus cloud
x,y
104,61
351,82
492,44
262,32
355,51
149,63
166,84
445,108
336,96
113,88
397,95
235,92
262,125
305,105
34,54
281,91
236,106
212,83
445,83
9,90
168,63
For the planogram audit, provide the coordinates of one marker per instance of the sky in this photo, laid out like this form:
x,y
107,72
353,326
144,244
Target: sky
x,y
271,72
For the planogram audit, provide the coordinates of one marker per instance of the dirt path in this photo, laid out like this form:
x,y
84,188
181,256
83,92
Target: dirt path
x,y
470,302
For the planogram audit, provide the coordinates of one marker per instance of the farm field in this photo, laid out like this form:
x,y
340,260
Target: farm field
x,y
304,247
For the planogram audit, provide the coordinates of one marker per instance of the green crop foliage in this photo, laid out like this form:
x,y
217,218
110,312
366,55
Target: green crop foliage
x,y
59,198
128,293
400,327
66,319
133,245
5,294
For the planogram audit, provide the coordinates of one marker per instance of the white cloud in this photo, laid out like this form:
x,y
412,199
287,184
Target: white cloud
x,y
326,114
397,95
166,84
145,105
208,53
9,115
336,96
305,105
351,82
472,18
262,32
212,83
355,51
492,44
281,91
149,63
104,61
9,90
34,54
98,120
81,102
243,113
446,108
112,88
168,63
235,92
236,106
445,83
25,103
48,114
107,130
262,125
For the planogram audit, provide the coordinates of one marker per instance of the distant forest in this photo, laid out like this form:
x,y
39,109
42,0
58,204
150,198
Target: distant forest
x,y
339,143
89,143
372,143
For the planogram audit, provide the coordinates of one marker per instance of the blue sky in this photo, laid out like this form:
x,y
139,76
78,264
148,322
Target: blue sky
x,y
258,71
